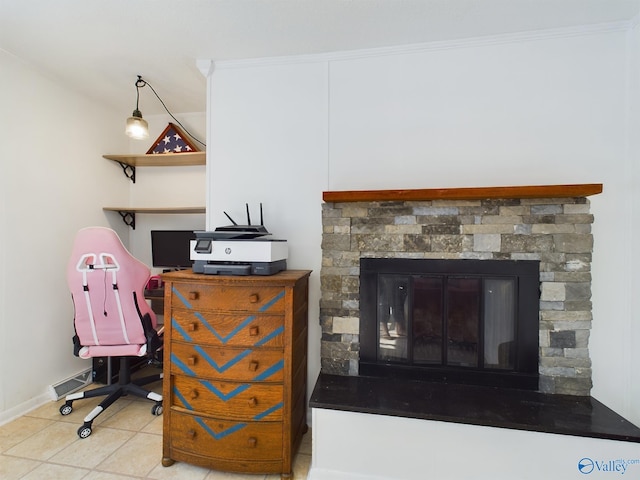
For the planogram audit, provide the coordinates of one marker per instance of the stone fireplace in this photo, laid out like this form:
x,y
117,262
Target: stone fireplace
x,y
547,224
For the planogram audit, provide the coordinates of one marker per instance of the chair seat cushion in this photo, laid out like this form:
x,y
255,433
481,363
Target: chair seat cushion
x,y
113,351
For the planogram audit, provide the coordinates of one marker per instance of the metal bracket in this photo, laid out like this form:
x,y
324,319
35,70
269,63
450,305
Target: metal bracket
x,y
129,219
129,171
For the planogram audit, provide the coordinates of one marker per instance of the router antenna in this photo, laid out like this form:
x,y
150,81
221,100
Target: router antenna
x,y
248,217
261,219
230,218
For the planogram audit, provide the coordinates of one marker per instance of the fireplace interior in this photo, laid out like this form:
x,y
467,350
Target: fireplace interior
x,y
466,321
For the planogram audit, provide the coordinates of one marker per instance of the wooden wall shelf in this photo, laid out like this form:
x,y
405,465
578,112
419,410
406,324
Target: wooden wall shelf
x,y
468,193
128,214
129,162
160,159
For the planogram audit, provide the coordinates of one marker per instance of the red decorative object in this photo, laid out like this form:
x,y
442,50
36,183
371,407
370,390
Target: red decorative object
x,y
172,140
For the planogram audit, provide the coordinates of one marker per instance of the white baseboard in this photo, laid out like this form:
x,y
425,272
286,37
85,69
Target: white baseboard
x,y
325,474
24,408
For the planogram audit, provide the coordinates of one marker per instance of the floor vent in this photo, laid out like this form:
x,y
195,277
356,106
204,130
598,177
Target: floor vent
x,y
65,387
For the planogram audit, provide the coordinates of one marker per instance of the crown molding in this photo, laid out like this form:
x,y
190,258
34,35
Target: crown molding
x,y
206,66
489,40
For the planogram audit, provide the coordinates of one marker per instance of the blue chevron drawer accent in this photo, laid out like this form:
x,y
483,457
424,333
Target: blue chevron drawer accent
x,y
184,368
244,323
256,417
223,433
264,308
233,333
236,427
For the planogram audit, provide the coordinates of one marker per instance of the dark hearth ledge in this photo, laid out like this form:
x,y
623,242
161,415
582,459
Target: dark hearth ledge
x,y
473,405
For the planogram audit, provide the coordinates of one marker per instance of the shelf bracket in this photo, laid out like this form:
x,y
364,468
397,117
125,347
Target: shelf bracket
x,y
129,219
129,171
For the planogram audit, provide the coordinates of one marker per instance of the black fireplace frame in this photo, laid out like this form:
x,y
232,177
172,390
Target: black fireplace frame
x,y
526,273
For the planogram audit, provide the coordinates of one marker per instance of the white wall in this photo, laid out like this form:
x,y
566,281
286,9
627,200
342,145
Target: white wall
x,y
54,181
268,143
540,108
634,156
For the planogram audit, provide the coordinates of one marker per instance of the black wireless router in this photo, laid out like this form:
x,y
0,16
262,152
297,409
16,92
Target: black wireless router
x,y
235,231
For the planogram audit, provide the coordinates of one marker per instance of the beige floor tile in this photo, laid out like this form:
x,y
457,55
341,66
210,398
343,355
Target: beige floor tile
x,y
301,466
12,468
179,471
107,476
91,451
155,426
135,417
138,456
216,475
305,444
50,411
50,471
49,441
19,430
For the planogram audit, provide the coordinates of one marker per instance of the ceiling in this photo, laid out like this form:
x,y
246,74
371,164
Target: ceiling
x,y
99,47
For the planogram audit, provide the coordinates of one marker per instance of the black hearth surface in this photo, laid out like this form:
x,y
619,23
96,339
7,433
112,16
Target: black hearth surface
x,y
474,405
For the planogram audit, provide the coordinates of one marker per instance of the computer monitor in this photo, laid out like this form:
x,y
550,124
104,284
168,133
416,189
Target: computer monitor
x,y
171,248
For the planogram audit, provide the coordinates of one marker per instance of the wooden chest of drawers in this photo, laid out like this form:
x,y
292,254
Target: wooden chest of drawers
x,y
235,370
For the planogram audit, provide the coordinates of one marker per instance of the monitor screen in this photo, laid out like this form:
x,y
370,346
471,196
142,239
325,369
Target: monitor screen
x,y
171,248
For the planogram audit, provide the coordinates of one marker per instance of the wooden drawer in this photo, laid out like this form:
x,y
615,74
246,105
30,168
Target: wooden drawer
x,y
198,297
217,329
244,401
226,363
248,441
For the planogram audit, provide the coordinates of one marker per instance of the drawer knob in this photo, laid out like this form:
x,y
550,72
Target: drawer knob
x,y
191,434
254,331
253,365
252,442
253,401
253,298
192,360
194,295
193,326
193,394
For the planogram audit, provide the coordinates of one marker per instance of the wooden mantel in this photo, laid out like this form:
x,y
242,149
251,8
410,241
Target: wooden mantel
x,y
467,193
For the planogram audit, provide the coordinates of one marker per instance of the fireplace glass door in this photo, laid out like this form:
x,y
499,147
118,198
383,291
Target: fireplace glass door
x,y
447,320
450,320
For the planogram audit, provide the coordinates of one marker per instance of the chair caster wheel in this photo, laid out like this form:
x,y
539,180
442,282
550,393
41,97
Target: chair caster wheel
x,y
156,409
84,431
66,409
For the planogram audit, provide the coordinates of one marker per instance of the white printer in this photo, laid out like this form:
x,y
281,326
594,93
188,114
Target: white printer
x,y
238,250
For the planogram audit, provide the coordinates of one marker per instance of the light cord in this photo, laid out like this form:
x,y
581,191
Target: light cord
x,y
141,83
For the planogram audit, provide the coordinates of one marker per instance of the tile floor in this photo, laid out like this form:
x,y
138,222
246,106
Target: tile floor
x,y
126,443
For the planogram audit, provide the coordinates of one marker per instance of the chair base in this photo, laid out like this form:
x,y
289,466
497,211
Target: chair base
x,y
124,387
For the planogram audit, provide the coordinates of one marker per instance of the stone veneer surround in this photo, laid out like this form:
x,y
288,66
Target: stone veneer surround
x,y
555,231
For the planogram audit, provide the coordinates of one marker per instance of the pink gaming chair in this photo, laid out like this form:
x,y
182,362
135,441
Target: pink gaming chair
x,y
112,318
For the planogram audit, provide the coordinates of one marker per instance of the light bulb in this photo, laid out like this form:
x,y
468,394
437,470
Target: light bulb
x,y
137,127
